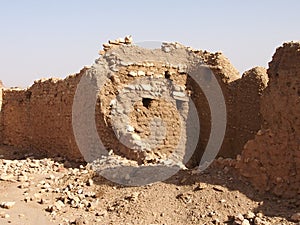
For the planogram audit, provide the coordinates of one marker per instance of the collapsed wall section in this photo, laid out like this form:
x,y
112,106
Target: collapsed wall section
x,y
271,161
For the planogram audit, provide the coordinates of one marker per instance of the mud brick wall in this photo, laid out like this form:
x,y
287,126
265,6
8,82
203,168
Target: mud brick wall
x,y
15,118
225,74
243,100
271,161
147,103
245,119
40,117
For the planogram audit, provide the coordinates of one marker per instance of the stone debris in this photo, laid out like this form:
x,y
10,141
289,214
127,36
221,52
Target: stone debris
x,y
113,43
219,189
185,197
295,217
61,191
7,205
200,186
72,193
133,73
240,220
90,182
7,177
250,218
250,215
81,221
133,197
4,215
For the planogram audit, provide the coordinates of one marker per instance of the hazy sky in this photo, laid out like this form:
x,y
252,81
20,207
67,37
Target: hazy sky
x,y
58,37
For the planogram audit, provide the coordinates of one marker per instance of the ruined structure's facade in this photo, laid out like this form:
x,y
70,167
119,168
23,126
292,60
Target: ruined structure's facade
x,y
40,118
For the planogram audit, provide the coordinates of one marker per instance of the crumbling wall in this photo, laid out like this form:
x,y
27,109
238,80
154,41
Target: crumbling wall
x,y
271,161
146,104
15,118
40,117
225,73
244,118
243,99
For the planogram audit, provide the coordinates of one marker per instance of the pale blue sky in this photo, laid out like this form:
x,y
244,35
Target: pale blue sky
x,y
58,37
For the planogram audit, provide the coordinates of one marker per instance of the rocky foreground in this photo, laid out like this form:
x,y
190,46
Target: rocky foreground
x,y
55,191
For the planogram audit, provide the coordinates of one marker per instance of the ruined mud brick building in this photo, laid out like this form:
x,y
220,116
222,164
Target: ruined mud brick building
x,y
39,118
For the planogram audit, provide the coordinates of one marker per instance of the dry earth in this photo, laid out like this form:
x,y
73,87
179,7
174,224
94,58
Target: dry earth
x,y
55,191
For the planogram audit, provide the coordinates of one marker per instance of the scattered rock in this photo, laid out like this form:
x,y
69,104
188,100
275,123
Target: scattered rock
x,y
245,222
295,217
200,186
185,197
219,189
250,215
90,182
81,221
259,221
4,215
259,215
222,201
141,73
59,205
8,177
133,197
7,205
239,219
128,39
132,73
101,213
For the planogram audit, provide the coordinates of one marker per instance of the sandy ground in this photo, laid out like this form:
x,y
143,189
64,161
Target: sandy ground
x,y
55,191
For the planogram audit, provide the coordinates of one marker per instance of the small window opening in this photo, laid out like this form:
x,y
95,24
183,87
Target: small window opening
x,y
147,102
167,75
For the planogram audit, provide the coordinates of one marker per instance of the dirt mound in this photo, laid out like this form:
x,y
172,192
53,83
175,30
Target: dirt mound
x,y
272,160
